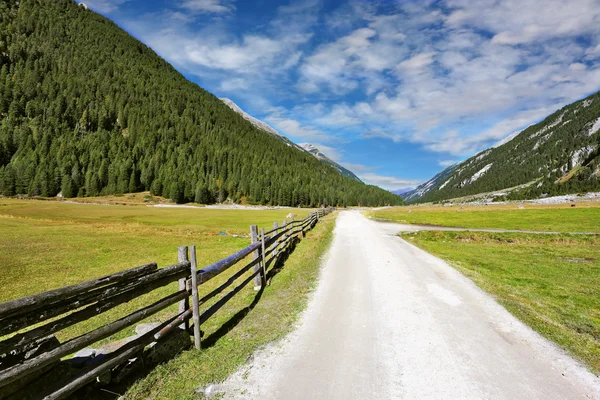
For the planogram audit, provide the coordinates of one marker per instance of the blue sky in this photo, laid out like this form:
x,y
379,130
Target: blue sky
x,y
393,90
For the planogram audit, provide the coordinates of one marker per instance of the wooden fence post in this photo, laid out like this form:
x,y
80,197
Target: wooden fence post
x,y
276,244
257,266
264,264
195,303
182,256
285,235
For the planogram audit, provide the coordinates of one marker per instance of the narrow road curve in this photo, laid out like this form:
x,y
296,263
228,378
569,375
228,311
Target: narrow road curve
x,y
389,321
418,228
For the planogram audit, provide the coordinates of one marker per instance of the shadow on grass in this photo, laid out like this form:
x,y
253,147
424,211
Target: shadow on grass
x,y
235,319
112,390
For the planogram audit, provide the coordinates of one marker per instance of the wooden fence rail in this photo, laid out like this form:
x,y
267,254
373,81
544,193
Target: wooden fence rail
x,y
28,325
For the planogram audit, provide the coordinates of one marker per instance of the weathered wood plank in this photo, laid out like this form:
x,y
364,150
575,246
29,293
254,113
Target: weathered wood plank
x,y
262,252
11,374
13,324
229,281
254,240
195,302
182,256
88,374
215,307
149,283
27,304
207,273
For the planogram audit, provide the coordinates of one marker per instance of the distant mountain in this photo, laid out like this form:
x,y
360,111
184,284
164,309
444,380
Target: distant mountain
x,y
304,147
401,192
312,149
559,155
86,109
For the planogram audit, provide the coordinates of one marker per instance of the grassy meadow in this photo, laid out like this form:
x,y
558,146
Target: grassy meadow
x,y
49,244
584,217
62,243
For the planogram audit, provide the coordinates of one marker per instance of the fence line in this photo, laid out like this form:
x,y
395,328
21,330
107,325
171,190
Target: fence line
x,y
26,355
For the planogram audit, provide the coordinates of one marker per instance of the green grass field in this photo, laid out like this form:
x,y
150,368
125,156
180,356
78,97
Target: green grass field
x,y
552,283
585,217
47,244
60,243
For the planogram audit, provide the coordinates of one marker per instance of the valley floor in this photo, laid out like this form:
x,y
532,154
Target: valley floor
x,y
389,320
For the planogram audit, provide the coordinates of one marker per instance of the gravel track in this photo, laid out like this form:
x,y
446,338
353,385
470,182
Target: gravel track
x,y
390,321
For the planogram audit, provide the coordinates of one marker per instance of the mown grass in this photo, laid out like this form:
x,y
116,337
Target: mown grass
x,y
46,245
552,283
585,217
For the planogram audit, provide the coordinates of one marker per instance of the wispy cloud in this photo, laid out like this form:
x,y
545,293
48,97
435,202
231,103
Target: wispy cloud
x,y
208,6
103,6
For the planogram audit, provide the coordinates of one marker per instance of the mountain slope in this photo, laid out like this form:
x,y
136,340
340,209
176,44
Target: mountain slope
x,y
319,155
86,109
401,192
254,121
305,147
559,155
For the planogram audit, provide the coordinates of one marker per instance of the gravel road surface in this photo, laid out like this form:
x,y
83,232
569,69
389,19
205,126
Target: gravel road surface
x,y
390,321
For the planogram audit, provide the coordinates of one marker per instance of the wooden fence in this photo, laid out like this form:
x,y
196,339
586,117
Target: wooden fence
x,y
28,352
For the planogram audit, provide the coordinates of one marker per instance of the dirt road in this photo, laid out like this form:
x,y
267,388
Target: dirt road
x,y
389,321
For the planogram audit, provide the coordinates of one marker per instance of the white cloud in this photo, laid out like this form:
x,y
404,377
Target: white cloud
x,y
526,21
446,163
208,6
103,6
296,130
592,53
388,182
417,63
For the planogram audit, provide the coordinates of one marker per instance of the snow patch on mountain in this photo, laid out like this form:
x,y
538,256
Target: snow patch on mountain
x,y
542,140
580,155
595,128
477,175
483,154
443,185
549,126
254,121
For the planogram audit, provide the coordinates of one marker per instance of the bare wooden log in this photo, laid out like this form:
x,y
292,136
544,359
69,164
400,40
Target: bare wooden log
x,y
229,281
215,307
27,304
88,374
11,374
195,301
146,284
182,256
254,239
207,273
13,324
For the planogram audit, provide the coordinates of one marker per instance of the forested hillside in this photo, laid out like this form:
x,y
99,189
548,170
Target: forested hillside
x,y
86,110
559,155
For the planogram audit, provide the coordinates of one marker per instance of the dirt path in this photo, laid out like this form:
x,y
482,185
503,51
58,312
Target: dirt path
x,y
417,228
389,321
